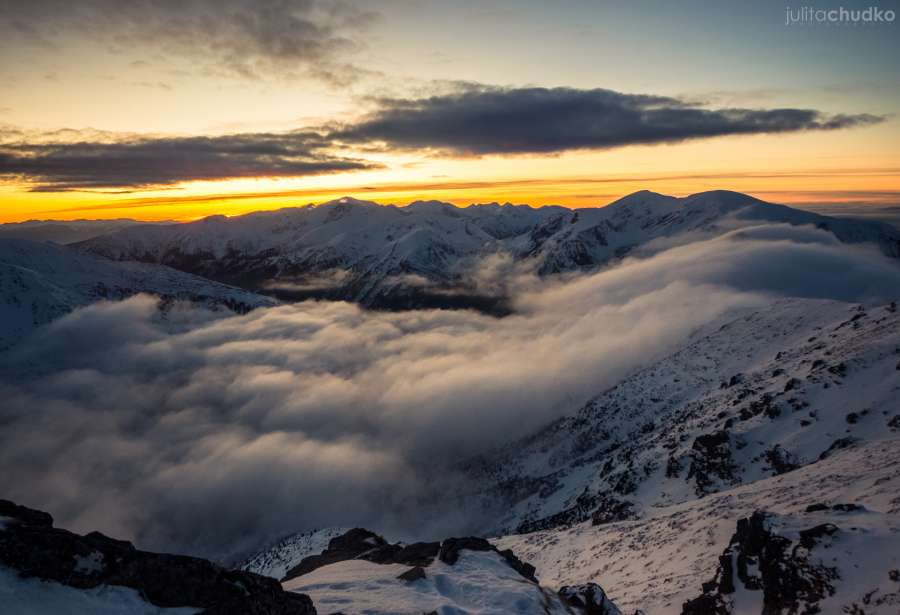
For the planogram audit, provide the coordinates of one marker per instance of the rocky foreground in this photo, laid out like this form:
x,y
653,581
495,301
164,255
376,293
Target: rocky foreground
x,y
47,570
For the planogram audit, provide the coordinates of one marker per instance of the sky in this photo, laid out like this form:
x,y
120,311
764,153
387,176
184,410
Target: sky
x,y
164,110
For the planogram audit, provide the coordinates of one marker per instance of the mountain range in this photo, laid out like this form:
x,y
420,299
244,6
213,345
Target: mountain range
x,y
751,469
427,254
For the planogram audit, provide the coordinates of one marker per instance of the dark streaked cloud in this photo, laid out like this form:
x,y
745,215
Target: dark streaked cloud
x,y
153,161
475,120
490,120
244,38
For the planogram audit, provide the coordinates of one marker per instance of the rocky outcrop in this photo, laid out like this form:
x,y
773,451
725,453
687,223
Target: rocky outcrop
x,y
362,544
711,462
760,559
589,598
31,545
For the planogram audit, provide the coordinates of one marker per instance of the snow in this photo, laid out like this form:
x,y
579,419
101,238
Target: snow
x,y
36,597
438,240
276,560
479,583
658,562
40,282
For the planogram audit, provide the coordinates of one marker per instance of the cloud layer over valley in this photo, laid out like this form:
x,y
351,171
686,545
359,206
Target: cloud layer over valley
x,y
207,434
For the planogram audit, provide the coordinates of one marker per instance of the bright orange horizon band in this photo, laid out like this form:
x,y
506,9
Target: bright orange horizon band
x,y
184,203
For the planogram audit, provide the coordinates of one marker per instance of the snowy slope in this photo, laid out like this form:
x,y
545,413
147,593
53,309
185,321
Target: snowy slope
x,y
389,256
277,559
40,282
662,560
20,596
64,231
480,583
750,397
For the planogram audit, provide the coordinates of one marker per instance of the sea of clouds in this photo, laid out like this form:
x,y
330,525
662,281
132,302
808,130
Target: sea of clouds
x,y
196,432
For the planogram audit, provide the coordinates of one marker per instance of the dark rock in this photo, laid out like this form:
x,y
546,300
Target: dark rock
x,y
711,459
26,515
580,510
451,547
350,545
848,508
413,574
894,423
611,509
589,597
790,580
816,507
837,445
809,538
780,460
852,418
35,549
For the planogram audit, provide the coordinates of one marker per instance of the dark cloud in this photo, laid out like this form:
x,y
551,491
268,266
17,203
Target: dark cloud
x,y
476,120
86,164
245,38
208,434
536,120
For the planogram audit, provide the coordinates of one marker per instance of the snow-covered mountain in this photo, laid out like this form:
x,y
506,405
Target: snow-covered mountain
x,y
778,409
64,231
750,397
754,471
49,571
425,254
41,281
276,560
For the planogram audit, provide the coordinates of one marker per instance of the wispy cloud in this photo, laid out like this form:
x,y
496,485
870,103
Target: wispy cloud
x,y
240,38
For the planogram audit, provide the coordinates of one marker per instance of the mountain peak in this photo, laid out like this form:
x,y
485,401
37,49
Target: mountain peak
x,y
347,200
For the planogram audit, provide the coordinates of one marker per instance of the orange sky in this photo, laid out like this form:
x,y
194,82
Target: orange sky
x,y
800,168
62,73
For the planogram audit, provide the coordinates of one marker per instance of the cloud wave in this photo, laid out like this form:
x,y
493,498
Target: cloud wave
x,y
206,434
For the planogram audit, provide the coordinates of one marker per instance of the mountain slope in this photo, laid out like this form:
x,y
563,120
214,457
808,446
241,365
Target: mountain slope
x,y
750,397
659,562
40,282
64,231
427,253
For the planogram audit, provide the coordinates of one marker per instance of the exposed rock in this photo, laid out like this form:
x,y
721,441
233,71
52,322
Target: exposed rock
x,y
362,544
711,460
780,460
23,514
31,545
590,598
612,509
837,445
413,574
763,560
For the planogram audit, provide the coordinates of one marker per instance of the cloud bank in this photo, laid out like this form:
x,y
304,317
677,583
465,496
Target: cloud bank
x,y
197,433
475,121
491,120
79,164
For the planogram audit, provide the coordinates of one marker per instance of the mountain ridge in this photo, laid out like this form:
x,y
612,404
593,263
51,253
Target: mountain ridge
x,y
427,254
